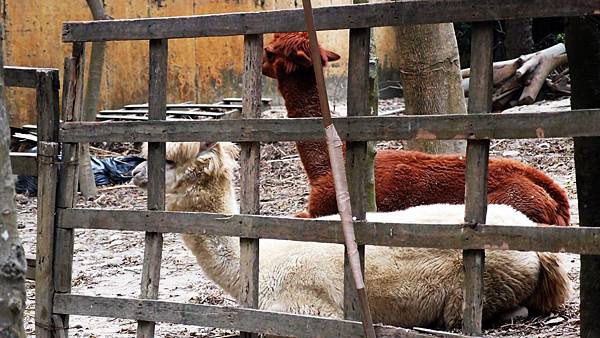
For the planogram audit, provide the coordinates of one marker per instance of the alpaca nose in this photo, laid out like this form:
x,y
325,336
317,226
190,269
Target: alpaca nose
x,y
140,177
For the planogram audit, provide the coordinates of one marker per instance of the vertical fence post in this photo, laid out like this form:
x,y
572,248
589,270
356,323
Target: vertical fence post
x,y
250,172
157,110
356,155
47,159
583,48
480,101
68,177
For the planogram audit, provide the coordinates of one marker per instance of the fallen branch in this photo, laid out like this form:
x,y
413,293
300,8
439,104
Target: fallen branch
x,y
520,80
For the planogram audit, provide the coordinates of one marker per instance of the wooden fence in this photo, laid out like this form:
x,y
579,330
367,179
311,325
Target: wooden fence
x,y
58,218
46,84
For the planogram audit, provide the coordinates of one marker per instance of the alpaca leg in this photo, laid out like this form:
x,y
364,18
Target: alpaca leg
x,y
520,312
303,214
453,310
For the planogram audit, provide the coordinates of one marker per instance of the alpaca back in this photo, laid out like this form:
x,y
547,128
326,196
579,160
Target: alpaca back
x,y
402,179
434,277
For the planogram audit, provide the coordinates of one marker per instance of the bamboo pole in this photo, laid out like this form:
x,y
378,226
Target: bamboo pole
x,y
334,146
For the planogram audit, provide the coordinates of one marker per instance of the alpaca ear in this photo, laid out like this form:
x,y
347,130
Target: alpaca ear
x,y
331,56
231,149
144,150
302,59
270,53
205,147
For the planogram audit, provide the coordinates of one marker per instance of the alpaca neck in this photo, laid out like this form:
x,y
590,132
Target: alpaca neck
x,y
299,90
218,256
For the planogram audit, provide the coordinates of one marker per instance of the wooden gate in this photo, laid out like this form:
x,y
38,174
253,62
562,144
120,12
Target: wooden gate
x,y
478,127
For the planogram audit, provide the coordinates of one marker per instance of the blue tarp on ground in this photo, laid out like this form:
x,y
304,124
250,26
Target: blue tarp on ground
x,y
110,170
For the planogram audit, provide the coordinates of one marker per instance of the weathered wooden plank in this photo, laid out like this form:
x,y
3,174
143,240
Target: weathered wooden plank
x,y
25,77
24,163
476,172
47,152
31,266
273,323
157,91
576,123
356,155
326,18
72,106
47,104
250,172
441,334
231,100
583,240
189,105
169,112
583,48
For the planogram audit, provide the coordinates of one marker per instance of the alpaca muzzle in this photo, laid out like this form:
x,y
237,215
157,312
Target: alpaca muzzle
x,y
140,175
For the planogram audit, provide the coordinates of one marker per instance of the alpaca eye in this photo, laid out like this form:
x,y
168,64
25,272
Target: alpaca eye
x,y
270,56
169,162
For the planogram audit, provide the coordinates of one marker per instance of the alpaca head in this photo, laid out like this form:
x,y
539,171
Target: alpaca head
x,y
289,52
191,164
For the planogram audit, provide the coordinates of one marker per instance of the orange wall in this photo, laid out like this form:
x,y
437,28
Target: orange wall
x,y
200,70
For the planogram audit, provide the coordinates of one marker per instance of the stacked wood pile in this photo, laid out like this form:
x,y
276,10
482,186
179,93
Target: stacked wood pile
x,y
226,108
520,81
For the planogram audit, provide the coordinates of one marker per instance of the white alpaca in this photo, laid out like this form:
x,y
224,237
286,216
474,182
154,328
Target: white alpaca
x,y
406,286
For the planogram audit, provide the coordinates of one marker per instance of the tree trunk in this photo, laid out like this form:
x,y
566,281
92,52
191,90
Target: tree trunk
x,y
12,256
92,97
518,40
431,79
583,47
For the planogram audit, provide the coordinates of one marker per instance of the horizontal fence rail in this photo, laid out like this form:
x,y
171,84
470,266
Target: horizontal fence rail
x,y
575,123
25,77
274,323
582,240
24,164
326,18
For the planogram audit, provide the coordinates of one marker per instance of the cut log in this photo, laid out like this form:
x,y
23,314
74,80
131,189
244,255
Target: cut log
x,y
519,81
545,61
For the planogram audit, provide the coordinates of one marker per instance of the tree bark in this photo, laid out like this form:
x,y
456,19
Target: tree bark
x,y
12,257
519,39
92,93
583,47
92,97
431,78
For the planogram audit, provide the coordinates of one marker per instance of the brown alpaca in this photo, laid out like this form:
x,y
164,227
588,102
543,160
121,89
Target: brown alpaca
x,y
403,179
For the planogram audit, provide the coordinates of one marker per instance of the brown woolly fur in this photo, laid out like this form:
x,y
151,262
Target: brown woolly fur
x,y
291,52
402,178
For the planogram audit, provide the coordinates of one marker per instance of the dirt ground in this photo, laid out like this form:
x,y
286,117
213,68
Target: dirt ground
x,y
109,263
